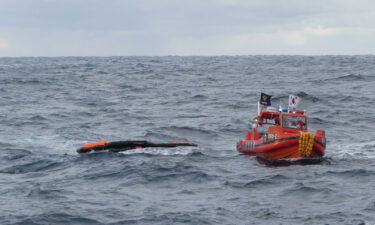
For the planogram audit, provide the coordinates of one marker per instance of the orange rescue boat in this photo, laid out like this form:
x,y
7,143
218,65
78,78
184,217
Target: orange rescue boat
x,y
282,134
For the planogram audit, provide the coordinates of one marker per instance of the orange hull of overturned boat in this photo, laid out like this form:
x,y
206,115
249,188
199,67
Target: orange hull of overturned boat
x,y
283,135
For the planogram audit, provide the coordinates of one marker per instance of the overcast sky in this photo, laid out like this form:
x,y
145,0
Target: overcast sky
x,y
186,27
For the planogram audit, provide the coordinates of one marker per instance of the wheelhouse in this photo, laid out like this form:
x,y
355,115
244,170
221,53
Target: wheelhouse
x,y
292,121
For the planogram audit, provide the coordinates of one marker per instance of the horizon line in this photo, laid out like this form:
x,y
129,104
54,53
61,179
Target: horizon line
x,y
239,55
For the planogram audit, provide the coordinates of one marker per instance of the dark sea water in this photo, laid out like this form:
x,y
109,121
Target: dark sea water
x,y
51,106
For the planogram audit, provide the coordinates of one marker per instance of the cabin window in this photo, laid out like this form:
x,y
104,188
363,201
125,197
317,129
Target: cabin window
x,y
294,122
272,121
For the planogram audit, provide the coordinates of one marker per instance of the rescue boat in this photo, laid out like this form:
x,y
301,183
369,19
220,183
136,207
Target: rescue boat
x,y
282,134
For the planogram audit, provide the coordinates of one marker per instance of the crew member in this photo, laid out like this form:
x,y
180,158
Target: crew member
x,y
300,124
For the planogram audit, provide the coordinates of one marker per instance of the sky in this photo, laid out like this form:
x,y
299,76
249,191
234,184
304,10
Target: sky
x,y
186,27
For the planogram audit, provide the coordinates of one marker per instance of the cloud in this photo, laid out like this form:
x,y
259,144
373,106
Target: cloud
x,y
195,27
3,44
321,31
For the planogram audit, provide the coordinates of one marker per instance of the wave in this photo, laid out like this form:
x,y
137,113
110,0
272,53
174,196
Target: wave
x,y
318,120
184,133
349,77
57,218
302,189
259,183
157,136
175,217
199,97
370,207
30,81
305,97
308,97
192,177
117,173
336,216
144,168
35,165
290,162
350,173
163,151
346,78
14,154
39,191
357,150
361,99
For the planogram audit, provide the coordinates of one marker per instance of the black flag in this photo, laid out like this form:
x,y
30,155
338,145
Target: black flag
x,y
265,99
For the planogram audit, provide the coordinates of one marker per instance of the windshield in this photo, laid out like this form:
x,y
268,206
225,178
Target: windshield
x,y
294,122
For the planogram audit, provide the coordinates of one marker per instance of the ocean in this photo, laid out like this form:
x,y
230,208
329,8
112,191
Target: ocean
x,y
50,106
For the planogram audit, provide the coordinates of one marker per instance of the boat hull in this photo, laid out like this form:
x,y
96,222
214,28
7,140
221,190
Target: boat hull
x,y
283,148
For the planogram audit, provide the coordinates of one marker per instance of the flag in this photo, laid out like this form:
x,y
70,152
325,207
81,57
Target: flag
x,y
293,101
265,99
